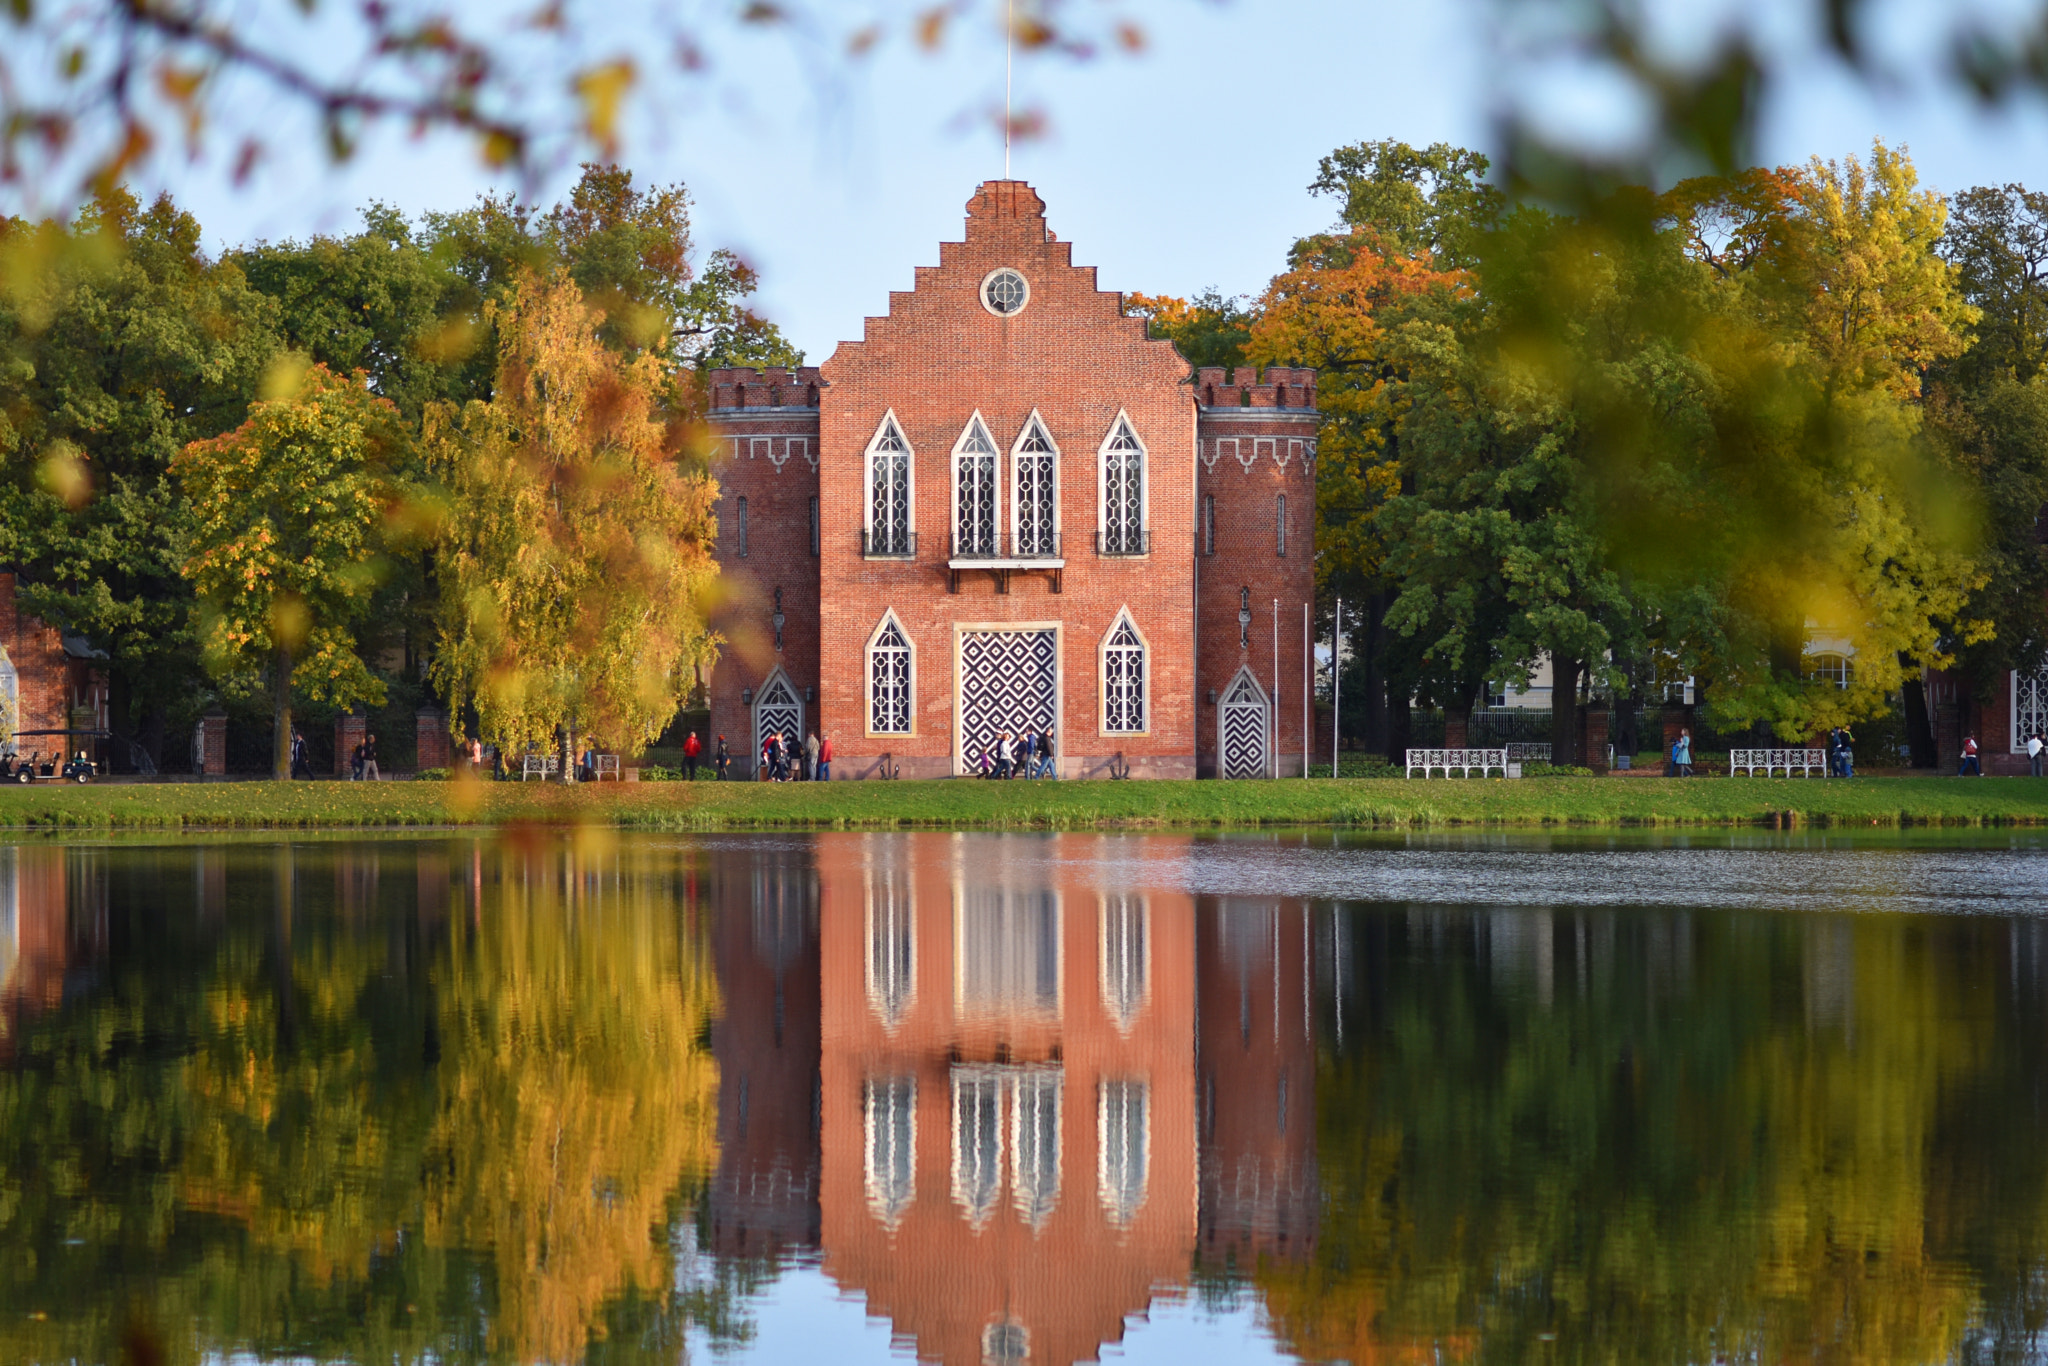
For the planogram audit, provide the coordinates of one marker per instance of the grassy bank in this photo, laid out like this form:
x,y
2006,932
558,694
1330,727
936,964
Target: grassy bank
x,y
1390,803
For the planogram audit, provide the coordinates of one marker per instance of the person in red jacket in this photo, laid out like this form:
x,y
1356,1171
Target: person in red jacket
x,y
1970,765
823,773
692,747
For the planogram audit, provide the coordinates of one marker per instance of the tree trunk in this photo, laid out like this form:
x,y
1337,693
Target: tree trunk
x,y
1919,724
281,709
1400,725
568,734
1564,711
1375,680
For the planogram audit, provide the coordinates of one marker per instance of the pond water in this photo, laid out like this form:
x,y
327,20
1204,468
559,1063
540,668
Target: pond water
x,y
557,1096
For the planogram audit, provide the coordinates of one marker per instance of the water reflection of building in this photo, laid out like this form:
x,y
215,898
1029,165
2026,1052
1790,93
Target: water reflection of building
x,y
53,925
1255,961
1007,1092
764,1200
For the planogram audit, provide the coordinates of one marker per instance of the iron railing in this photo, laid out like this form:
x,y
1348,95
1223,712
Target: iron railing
x,y
1117,543
887,545
1042,545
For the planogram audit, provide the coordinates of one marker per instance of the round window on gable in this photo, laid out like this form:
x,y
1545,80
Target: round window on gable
x,y
1004,292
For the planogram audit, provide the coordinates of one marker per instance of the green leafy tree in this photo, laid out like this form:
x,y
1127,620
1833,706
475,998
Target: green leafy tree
x,y
121,341
1208,329
577,544
287,515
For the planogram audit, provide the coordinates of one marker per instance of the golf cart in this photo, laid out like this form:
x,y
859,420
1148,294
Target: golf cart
x,y
61,763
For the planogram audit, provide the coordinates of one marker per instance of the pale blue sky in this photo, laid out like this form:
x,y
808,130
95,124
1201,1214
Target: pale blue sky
x,y
1180,168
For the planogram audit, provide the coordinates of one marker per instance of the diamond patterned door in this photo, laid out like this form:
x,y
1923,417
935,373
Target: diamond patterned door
x,y
1241,729
778,710
1009,681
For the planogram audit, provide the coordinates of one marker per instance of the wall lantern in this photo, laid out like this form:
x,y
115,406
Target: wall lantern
x,y
746,697
1244,618
1212,697
810,694
779,618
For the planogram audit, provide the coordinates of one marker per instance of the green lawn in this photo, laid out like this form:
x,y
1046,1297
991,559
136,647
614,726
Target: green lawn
x,y
1385,803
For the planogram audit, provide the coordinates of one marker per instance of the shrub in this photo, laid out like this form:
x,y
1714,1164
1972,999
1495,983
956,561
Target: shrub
x,y
1555,771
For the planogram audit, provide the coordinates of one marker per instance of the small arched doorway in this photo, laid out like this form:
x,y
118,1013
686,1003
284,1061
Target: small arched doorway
x,y
1243,729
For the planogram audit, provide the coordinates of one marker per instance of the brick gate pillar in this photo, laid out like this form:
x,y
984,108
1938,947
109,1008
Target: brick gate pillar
x,y
430,739
210,744
349,730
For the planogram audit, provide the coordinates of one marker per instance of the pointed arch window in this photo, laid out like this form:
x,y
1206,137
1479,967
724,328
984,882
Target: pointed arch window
x,y
1034,491
889,1116
976,499
1035,1142
887,513
1123,490
1123,679
889,680
1125,922
1123,1147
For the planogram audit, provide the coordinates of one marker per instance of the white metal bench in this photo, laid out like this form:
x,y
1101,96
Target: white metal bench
x,y
1421,761
542,766
1529,751
604,766
1795,763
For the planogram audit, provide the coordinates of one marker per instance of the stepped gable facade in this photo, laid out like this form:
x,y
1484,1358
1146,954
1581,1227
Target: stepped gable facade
x,y
1005,509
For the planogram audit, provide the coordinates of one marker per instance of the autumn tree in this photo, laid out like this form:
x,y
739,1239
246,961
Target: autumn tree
x,y
286,541
576,549
1208,329
121,340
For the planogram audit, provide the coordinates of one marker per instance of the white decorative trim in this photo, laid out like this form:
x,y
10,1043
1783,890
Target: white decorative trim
x,y
1017,451
801,445
981,292
1267,447
1208,457
867,714
1123,617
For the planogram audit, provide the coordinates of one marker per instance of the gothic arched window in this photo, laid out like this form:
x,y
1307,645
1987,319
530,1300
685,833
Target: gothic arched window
x,y
1123,491
889,690
888,522
976,500
1123,679
1034,495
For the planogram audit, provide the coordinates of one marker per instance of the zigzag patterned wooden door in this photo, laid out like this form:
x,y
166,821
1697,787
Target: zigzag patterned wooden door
x,y
1241,729
1009,681
777,711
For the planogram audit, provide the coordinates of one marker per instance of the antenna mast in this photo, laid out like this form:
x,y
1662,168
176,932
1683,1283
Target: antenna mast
x,y
1009,49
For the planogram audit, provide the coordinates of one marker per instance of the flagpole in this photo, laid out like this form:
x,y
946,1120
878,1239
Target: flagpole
x,y
1009,57
1336,683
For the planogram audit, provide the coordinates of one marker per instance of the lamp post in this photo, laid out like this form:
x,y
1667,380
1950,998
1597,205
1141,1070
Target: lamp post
x,y
779,619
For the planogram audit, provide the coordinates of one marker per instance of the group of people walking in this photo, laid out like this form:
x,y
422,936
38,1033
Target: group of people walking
x,y
783,760
1971,767
1025,755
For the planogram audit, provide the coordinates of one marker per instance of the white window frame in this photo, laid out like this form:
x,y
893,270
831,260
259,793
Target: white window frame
x,y
995,453
1017,451
1123,1169
1123,617
1123,420
889,618
867,483
890,1193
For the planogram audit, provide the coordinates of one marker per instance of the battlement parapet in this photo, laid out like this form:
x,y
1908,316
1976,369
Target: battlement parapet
x,y
773,387
1282,387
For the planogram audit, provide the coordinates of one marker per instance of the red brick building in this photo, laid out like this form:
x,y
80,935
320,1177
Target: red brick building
x,y
1006,509
50,681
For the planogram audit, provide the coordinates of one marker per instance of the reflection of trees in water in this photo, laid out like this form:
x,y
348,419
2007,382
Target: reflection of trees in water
x,y
1668,1137
311,1110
